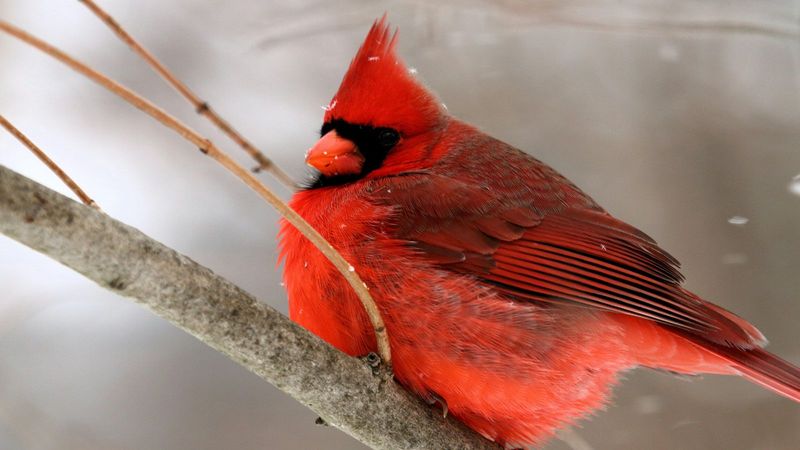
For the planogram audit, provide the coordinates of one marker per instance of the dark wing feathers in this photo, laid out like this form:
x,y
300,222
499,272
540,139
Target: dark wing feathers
x,y
577,254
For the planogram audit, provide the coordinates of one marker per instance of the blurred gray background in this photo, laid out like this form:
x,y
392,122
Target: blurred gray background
x,y
675,115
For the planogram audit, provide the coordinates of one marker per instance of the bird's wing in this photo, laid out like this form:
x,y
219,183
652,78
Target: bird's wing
x,y
556,253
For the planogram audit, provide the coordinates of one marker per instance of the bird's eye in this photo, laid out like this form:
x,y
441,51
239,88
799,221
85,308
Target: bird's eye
x,y
388,137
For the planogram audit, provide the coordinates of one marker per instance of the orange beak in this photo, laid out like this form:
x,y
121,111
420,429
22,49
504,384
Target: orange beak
x,y
333,155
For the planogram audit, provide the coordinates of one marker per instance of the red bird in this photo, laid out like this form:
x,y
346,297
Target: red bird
x,y
509,295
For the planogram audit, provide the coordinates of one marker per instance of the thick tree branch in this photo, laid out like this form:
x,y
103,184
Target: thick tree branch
x,y
342,390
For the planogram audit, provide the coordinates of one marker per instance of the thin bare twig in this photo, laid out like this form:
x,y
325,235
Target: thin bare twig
x,y
201,107
207,147
582,15
48,162
675,26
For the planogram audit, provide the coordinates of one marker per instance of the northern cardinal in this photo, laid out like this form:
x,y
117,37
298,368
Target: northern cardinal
x,y
508,294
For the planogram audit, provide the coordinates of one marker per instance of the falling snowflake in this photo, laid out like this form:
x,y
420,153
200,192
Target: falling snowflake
x,y
738,220
794,185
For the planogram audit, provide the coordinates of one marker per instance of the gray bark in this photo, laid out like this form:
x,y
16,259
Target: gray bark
x,y
346,392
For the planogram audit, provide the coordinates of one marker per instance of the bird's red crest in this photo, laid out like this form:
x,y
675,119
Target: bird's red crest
x,y
379,90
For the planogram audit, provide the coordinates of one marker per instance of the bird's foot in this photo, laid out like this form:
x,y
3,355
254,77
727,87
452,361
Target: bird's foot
x,y
434,398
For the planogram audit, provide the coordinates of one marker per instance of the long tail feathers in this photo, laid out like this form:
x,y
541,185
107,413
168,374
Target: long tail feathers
x,y
752,362
757,365
766,369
